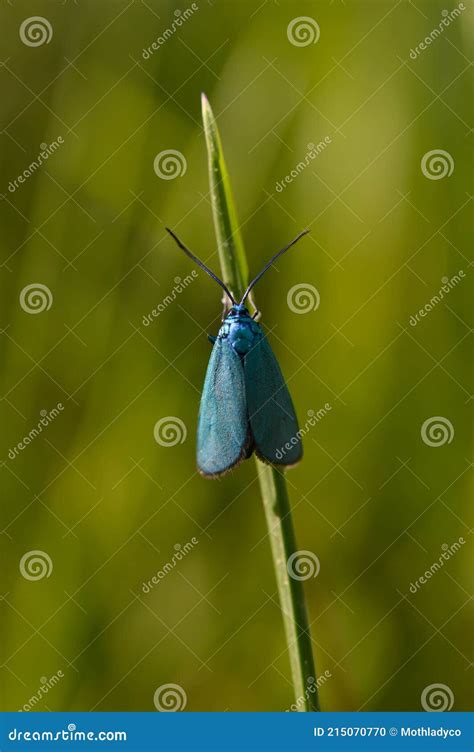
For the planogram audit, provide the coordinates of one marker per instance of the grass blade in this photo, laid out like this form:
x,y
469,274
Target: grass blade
x,y
232,257
273,487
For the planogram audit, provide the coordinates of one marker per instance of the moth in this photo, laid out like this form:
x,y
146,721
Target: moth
x,y
245,405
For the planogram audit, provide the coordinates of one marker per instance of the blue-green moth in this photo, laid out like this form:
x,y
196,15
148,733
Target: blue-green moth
x,y
245,405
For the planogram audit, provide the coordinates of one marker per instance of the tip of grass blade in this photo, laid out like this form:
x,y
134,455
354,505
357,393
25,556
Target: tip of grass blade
x,y
207,114
229,242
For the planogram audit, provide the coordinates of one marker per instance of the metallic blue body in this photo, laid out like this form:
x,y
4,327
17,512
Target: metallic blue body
x,y
240,330
245,404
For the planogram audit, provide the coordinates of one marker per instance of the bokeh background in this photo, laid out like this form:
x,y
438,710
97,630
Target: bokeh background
x,y
108,505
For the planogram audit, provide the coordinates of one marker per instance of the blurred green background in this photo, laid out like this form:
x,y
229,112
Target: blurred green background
x,y
108,505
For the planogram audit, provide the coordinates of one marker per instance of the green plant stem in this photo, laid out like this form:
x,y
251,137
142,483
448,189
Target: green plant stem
x,y
232,257
292,601
273,487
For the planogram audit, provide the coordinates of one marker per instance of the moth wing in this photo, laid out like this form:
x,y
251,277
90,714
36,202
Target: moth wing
x,y
270,409
223,434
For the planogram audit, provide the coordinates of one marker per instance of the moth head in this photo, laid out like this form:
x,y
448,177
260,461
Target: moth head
x,y
239,309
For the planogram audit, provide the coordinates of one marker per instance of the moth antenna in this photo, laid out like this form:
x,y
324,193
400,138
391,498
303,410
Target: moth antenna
x,y
268,265
201,264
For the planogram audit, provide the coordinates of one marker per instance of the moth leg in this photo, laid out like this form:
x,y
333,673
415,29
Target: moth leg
x,y
256,314
211,338
225,311
225,306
